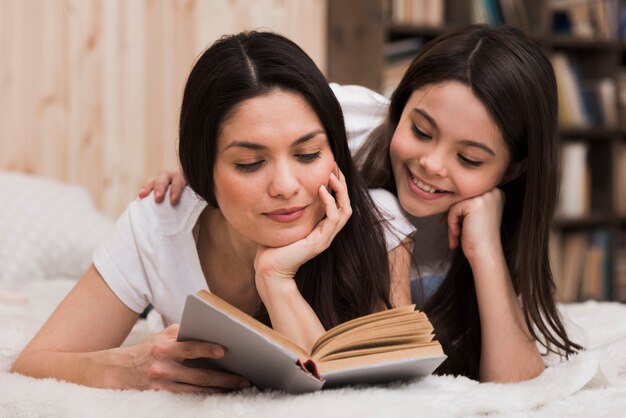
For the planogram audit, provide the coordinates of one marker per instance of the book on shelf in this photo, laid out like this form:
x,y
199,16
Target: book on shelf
x,y
619,266
585,19
575,194
572,262
572,111
394,344
582,263
619,179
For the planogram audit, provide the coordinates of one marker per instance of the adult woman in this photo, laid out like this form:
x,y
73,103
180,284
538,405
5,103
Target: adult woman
x,y
470,134
261,139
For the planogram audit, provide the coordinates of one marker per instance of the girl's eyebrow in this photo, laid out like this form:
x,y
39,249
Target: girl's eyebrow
x,y
257,147
465,142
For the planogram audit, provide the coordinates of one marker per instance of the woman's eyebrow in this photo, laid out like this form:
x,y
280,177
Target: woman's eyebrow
x,y
254,146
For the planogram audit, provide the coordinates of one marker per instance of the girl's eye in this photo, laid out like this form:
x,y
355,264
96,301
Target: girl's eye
x,y
246,168
419,133
308,158
469,162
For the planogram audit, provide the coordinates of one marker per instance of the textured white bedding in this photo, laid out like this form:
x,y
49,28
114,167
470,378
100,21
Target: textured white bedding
x,y
591,384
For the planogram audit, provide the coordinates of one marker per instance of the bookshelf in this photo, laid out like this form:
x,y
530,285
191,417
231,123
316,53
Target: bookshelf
x,y
371,42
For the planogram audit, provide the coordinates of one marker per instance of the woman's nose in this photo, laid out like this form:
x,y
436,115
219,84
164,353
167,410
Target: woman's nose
x,y
284,183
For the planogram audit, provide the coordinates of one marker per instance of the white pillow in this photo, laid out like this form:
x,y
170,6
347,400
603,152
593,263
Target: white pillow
x,y
47,228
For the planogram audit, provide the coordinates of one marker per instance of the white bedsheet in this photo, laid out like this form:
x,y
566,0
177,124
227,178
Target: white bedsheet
x,y
592,383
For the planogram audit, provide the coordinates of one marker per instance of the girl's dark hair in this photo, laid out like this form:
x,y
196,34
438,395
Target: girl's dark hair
x,y
350,278
514,80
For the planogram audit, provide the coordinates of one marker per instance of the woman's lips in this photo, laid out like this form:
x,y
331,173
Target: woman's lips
x,y
286,214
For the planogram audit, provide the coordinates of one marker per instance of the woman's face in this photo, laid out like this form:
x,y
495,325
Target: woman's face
x,y
272,156
446,148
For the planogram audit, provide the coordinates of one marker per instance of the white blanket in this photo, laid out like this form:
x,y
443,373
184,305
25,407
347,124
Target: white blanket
x,y
592,384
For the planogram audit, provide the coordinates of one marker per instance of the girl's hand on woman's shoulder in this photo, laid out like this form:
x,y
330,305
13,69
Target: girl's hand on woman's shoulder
x,y
157,364
475,224
274,265
161,182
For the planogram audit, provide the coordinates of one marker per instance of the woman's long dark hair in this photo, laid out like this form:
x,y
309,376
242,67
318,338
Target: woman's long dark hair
x,y
350,278
515,81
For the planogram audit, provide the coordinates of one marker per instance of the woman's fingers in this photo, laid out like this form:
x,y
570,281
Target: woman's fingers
x,y
338,184
167,370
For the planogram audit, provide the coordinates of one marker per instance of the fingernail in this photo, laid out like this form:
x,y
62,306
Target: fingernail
x,y
333,176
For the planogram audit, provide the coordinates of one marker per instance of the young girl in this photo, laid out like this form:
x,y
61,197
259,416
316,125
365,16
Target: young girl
x,y
263,147
469,148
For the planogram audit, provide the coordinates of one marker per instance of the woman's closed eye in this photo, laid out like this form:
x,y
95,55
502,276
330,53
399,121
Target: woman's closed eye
x,y
309,157
248,167
419,133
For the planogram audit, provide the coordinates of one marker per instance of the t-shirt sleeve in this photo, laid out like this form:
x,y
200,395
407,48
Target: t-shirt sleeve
x,y
397,226
363,111
118,259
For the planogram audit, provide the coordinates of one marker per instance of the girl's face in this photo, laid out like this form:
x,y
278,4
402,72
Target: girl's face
x,y
272,156
446,148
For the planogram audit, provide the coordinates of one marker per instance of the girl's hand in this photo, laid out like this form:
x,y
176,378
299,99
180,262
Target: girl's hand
x,y
157,364
475,223
172,179
283,262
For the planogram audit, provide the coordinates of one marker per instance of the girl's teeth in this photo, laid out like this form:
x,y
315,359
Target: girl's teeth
x,y
424,187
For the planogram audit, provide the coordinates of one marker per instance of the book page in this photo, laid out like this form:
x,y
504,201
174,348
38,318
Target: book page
x,y
360,321
399,345
387,339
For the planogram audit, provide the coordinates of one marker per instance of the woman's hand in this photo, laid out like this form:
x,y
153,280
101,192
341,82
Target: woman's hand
x,y
172,179
475,223
157,364
282,263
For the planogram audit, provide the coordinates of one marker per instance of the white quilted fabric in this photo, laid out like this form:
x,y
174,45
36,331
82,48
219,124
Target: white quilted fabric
x,y
47,228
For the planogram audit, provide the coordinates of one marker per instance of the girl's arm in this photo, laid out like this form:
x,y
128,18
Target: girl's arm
x,y
80,343
509,352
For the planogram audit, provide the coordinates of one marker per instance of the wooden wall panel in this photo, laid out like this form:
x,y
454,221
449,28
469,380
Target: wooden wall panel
x,y
90,90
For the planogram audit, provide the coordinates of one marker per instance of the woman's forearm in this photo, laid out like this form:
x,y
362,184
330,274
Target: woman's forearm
x,y
96,369
290,313
509,352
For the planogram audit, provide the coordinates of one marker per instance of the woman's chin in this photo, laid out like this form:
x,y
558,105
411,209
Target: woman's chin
x,y
283,238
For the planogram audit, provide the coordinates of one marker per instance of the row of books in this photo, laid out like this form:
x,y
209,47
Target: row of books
x,y
426,13
581,265
586,19
431,13
497,12
584,103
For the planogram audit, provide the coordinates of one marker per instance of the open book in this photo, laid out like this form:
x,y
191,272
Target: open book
x,y
388,345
